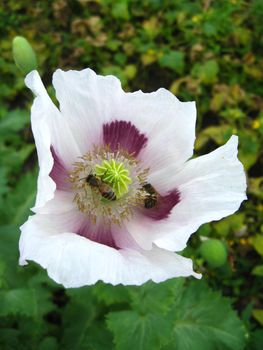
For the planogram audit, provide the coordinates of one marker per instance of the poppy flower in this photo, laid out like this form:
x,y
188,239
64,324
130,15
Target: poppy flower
x,y
117,195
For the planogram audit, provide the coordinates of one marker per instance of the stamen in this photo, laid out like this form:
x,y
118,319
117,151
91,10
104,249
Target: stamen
x,y
108,185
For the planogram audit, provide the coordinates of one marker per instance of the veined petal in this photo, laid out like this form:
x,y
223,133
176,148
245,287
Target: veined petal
x,y
49,131
91,103
54,218
87,101
75,261
211,187
51,238
169,126
124,135
61,203
40,109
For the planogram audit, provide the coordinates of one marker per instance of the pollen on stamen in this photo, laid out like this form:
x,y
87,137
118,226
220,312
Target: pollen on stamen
x,y
108,185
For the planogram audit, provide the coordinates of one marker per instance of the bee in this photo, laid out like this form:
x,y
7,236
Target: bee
x,y
150,200
104,189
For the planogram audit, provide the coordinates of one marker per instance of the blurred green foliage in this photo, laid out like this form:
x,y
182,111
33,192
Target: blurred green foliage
x,y
208,51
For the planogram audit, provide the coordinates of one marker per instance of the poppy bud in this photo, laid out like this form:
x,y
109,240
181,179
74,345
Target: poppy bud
x,y
214,252
24,55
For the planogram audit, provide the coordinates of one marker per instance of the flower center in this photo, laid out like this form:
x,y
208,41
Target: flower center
x,y
108,185
114,174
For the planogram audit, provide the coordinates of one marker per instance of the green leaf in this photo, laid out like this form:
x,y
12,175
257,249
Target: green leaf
x,y
9,236
77,320
146,325
13,121
205,230
97,338
233,223
20,200
48,343
14,276
222,228
117,71
82,330
120,10
2,271
256,186
203,320
9,338
256,340
257,242
111,294
20,301
258,315
206,72
249,148
173,60
14,157
156,298
219,134
3,181
43,287
133,330
258,270
233,113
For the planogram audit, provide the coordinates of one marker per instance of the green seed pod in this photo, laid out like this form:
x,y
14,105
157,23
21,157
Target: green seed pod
x,y
214,252
24,55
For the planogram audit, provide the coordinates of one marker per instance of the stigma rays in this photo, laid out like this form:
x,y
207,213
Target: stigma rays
x,y
151,196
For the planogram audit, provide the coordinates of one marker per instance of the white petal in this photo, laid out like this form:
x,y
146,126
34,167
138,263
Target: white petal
x,y
57,216
211,187
75,261
87,101
49,239
49,130
169,126
62,202
42,135
140,228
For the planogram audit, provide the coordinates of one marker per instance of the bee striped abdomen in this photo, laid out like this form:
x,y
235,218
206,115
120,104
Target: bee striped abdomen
x,y
110,195
104,189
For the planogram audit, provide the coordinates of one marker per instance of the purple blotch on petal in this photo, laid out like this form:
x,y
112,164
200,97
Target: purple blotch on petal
x,y
59,173
121,134
99,233
164,206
